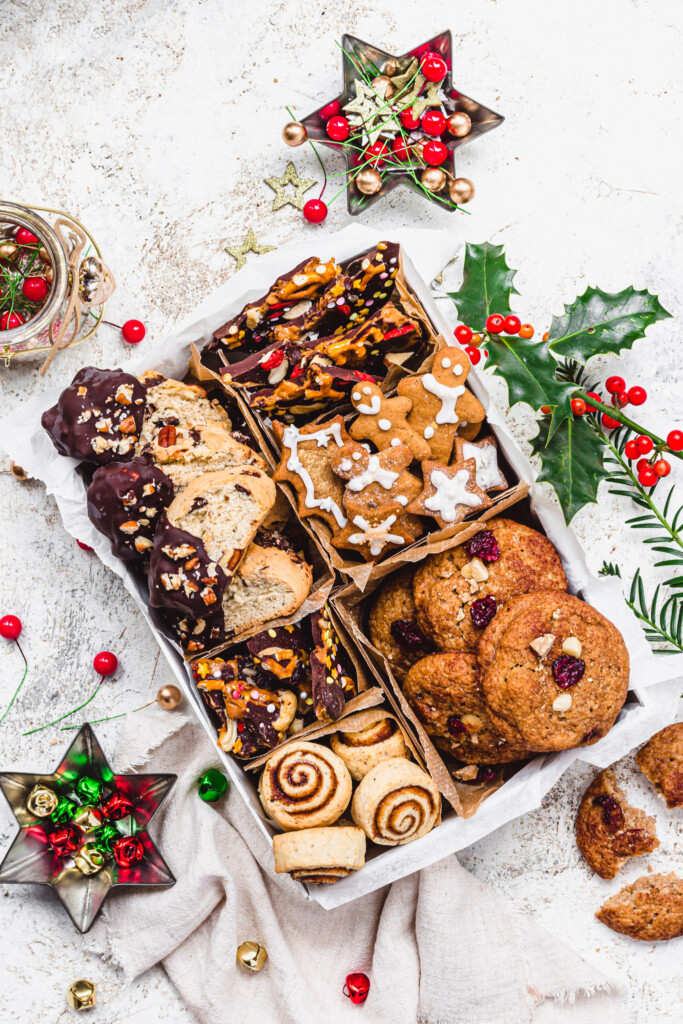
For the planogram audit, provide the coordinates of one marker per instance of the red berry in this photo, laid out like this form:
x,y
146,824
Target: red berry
x,y
546,410
399,148
8,321
10,627
637,395
25,237
377,154
463,334
434,153
610,422
105,663
675,440
495,324
594,396
337,128
473,353
407,120
82,546
434,67
641,464
614,384
662,467
433,122
133,331
35,289
328,111
645,444
578,406
315,211
620,399
632,451
526,331
512,324
647,477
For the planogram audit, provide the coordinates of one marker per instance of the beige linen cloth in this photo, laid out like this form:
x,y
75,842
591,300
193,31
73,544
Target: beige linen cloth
x,y
439,947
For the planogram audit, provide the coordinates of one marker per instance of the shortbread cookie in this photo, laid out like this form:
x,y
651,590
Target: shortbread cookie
x,y
554,672
319,856
305,463
125,502
384,420
443,691
651,909
458,591
396,803
609,831
98,417
485,454
449,493
661,761
171,403
304,785
441,402
378,478
362,750
269,583
374,533
393,625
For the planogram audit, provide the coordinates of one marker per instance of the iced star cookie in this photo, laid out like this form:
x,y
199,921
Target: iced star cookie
x,y
449,493
384,421
374,533
485,455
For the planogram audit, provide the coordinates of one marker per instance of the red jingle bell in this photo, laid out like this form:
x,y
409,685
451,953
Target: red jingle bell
x,y
356,987
10,627
434,153
66,840
315,211
117,806
128,850
434,67
434,123
337,128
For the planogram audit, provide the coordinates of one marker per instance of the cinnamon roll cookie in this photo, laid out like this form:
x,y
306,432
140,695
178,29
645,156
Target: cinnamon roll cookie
x,y
362,750
396,803
305,785
320,855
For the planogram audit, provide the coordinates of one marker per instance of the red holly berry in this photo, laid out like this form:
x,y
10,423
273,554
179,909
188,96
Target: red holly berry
x,y
8,321
578,406
434,67
526,331
337,128
105,663
82,546
641,464
632,451
399,148
594,396
645,444
434,153
35,289
637,395
133,331
662,467
315,211
407,120
10,627
614,384
610,422
25,237
495,324
512,324
647,477
433,122
376,155
473,353
463,334
546,410
674,440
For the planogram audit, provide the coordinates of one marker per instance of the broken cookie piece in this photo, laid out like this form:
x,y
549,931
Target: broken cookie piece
x,y
608,831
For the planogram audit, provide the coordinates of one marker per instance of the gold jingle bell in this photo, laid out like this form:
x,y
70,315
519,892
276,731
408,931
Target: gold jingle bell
x,y
169,697
461,190
89,860
251,956
81,995
294,133
459,124
433,178
369,181
41,801
87,818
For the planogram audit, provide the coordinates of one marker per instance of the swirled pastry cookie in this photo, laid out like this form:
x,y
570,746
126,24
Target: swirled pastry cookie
x,y
319,855
305,785
396,803
362,750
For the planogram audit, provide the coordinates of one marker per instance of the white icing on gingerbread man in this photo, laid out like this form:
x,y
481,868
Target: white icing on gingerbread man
x,y
384,421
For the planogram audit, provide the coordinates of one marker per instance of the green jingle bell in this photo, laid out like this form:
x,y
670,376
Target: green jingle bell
x,y
64,811
89,790
89,860
105,836
212,785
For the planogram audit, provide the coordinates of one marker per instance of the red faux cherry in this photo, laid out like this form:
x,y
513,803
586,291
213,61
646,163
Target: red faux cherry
x,y
433,122
434,153
105,663
662,467
632,451
637,395
337,128
674,440
133,331
82,546
377,153
610,422
463,334
356,987
434,67
407,120
614,384
578,406
35,289
647,477
399,148
10,627
495,324
512,324
25,237
473,353
645,444
330,110
8,321
315,211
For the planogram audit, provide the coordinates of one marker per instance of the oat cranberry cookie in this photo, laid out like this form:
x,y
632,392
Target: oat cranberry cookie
x,y
661,761
393,625
443,691
651,909
554,671
608,830
125,502
320,856
458,592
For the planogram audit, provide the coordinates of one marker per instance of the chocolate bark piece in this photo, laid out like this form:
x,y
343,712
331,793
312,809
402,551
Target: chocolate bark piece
x,y
331,677
125,502
98,416
182,576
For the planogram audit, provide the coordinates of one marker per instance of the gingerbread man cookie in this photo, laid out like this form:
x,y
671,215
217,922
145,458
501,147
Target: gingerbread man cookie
x,y
379,478
450,492
441,404
384,420
305,463
373,532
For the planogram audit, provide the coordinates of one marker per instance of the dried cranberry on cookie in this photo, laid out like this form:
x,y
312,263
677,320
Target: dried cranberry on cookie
x,y
393,625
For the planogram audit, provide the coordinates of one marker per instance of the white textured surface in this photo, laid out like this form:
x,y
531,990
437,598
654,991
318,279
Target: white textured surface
x,y
155,123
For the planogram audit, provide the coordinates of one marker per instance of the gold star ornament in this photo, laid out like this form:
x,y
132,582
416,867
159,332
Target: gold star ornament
x,y
239,252
279,185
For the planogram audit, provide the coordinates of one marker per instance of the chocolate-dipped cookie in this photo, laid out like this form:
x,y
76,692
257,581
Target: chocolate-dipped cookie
x,y
182,576
125,502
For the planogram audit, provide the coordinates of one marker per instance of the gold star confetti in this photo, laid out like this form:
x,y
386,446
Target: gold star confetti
x,y
369,111
290,177
239,252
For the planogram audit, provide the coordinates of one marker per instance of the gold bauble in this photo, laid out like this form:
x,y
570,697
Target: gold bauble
x,y
49,275
81,995
41,801
369,181
459,124
294,133
461,190
383,86
44,254
418,147
7,250
391,67
433,178
251,956
169,697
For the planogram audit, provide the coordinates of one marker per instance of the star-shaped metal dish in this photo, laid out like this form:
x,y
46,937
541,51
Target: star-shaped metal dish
x,y
30,857
361,60
279,185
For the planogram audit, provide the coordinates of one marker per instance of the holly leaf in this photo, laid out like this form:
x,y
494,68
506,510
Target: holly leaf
x,y
600,322
572,462
486,286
